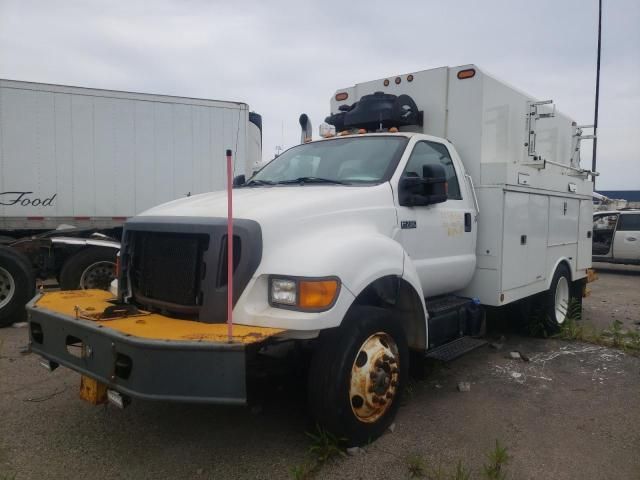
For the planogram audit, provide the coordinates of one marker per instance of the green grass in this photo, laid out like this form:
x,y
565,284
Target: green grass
x,y
493,469
416,466
324,447
615,336
497,459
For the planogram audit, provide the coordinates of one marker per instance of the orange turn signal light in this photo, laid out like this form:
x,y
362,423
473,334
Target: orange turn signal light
x,y
468,73
314,294
341,96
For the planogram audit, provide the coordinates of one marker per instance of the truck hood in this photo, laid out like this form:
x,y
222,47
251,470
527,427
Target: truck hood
x,y
280,204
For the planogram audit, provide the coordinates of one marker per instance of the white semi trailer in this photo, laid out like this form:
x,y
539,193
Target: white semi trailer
x,y
90,159
444,191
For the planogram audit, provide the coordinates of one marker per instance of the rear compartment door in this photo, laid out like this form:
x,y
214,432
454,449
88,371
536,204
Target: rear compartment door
x,y
585,226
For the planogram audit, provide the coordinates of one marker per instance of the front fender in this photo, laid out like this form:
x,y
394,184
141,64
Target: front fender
x,y
357,259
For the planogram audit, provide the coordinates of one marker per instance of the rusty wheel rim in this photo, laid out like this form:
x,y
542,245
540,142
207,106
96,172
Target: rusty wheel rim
x,y
375,376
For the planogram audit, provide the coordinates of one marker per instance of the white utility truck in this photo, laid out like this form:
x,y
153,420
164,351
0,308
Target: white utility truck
x,y
90,159
444,189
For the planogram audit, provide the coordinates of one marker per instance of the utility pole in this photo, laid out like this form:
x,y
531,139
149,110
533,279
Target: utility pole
x,y
595,119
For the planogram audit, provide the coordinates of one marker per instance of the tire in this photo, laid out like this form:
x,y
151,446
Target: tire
x,y
339,361
17,285
557,299
93,267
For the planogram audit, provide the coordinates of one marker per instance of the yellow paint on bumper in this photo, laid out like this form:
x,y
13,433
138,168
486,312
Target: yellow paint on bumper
x,y
151,326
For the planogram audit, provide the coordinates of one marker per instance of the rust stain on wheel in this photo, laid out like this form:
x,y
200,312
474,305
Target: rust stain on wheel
x,y
374,378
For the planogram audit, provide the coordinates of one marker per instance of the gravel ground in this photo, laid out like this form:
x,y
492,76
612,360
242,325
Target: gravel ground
x,y
571,411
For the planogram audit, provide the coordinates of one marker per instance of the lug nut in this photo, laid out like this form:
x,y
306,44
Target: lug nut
x,y
394,384
372,375
389,395
371,389
378,363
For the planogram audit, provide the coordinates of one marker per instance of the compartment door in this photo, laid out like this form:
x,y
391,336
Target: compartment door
x,y
585,227
514,240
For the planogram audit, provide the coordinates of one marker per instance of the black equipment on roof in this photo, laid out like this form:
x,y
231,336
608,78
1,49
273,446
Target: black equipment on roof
x,y
379,110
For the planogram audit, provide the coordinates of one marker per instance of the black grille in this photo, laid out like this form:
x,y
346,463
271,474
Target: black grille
x,y
168,268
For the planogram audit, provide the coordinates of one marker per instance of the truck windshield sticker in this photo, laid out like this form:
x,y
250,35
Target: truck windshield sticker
x,y
23,199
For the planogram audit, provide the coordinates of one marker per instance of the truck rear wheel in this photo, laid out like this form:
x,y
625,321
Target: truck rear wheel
x,y
93,267
558,298
17,285
358,374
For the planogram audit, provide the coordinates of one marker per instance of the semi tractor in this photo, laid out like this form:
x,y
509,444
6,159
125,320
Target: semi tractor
x,y
443,192
75,163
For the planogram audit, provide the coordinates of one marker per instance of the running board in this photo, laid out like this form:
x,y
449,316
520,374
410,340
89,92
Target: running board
x,y
457,348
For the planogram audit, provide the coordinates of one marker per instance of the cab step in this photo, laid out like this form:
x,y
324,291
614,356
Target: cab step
x,y
456,348
445,303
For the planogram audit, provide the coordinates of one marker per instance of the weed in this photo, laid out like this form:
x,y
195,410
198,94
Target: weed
x,y
416,466
617,335
498,458
325,445
303,472
461,473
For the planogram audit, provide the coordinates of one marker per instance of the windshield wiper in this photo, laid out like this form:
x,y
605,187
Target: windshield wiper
x,y
303,180
257,182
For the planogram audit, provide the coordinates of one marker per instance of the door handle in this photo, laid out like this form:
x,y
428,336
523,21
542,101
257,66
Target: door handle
x,y
632,239
467,222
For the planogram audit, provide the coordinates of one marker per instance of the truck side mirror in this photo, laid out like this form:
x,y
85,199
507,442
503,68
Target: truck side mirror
x,y
239,180
426,190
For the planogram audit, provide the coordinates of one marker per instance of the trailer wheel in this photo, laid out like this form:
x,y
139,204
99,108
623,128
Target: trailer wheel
x,y
358,374
93,267
17,285
558,297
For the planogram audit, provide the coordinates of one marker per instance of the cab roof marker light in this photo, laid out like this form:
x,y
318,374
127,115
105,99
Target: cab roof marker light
x,y
386,82
410,78
398,80
342,96
468,73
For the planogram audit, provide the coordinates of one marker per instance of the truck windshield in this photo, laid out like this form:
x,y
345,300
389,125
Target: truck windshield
x,y
359,160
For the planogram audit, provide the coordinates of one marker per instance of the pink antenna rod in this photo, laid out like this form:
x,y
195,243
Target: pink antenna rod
x,y
229,246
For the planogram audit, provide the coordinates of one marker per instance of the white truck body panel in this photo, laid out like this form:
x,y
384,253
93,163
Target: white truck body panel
x,y
94,157
534,208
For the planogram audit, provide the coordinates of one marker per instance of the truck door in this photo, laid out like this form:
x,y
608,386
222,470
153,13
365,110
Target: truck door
x,y
440,238
626,243
604,229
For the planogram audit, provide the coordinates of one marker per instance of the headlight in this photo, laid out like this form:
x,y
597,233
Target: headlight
x,y
284,291
313,294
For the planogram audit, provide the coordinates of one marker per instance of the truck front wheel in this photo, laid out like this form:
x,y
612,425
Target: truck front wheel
x,y
358,374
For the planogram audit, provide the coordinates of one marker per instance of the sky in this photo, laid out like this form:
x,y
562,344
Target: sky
x,y
285,58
